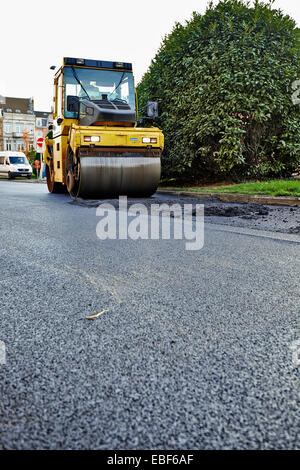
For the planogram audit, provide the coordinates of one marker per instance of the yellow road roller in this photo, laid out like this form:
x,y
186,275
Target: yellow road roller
x,y
97,149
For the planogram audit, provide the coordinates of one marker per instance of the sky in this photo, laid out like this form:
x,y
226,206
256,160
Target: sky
x,y
36,35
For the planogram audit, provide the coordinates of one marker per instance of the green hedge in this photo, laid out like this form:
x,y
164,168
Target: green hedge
x,y
223,82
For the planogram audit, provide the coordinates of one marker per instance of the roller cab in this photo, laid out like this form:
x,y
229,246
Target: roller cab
x,y
97,150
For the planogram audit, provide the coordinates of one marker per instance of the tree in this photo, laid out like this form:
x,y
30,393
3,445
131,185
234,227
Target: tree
x,y
32,156
224,85
25,136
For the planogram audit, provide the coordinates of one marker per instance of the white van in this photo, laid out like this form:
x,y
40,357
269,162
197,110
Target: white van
x,y
14,164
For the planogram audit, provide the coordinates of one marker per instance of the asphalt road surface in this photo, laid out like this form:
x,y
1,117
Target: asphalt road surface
x,y
194,352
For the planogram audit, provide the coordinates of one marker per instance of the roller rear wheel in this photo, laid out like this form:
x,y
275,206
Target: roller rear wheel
x,y
53,186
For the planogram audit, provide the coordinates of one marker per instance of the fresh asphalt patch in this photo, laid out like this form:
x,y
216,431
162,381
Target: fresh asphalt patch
x,y
249,211
282,219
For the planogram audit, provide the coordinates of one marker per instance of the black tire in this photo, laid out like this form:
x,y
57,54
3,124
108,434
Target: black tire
x,y
10,176
53,187
72,183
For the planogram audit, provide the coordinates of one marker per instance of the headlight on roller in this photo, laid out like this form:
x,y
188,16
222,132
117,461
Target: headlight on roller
x,y
91,138
149,140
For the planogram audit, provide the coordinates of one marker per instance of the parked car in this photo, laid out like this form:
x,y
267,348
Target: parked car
x,y
14,164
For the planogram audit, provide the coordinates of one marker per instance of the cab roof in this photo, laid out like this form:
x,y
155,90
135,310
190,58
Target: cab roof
x,y
99,64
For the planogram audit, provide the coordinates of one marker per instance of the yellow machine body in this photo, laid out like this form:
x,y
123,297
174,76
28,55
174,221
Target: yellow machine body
x,y
111,156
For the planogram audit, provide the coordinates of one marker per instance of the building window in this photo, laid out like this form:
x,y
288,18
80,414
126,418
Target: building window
x,y
8,145
18,111
7,127
44,122
8,110
19,127
20,145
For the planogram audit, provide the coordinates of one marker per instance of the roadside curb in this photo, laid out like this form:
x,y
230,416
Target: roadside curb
x,y
226,197
31,181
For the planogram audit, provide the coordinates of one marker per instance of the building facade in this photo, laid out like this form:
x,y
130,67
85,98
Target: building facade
x,y
1,130
42,121
18,124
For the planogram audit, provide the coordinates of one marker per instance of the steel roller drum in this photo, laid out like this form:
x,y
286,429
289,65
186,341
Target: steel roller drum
x,y
103,176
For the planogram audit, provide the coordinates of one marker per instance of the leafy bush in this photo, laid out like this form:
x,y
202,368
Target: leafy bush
x,y
223,82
